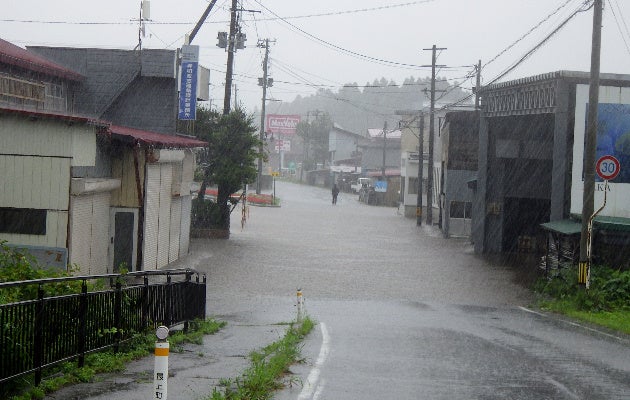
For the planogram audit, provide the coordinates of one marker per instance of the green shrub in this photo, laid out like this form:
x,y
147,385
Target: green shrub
x,y
19,265
609,289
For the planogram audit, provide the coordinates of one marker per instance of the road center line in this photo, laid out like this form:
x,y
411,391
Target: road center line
x,y
313,376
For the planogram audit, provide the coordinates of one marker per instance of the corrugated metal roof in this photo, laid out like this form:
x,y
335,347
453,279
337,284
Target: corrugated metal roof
x,y
153,139
17,56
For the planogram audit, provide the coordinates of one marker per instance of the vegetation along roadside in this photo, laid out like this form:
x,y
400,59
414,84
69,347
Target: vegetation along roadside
x,y
606,303
269,370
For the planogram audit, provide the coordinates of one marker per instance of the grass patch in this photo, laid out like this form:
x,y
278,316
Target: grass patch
x,y
140,346
268,367
606,303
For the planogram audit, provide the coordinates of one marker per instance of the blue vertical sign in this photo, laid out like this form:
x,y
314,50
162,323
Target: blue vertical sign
x,y
188,83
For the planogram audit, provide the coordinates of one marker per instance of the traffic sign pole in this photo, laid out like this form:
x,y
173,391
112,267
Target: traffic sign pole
x,y
607,167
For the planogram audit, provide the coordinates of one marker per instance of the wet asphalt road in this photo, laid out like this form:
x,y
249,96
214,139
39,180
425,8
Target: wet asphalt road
x,y
402,313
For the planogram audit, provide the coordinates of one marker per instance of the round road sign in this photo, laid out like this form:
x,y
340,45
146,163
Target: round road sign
x,y
607,167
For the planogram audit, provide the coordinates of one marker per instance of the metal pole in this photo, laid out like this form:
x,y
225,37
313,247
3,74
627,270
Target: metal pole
x,y
590,145
420,168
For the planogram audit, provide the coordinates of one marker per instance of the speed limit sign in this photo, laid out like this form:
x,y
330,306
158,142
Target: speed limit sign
x,y
607,167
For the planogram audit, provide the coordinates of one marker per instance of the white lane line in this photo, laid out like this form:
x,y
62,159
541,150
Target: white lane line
x,y
313,376
573,323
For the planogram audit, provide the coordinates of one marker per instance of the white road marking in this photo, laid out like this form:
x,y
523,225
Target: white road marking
x,y
572,323
311,390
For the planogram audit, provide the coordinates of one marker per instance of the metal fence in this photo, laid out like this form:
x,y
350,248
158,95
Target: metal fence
x,y
42,332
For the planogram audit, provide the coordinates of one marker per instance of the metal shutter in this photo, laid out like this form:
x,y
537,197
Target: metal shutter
x,y
175,225
100,232
151,217
166,179
80,232
184,235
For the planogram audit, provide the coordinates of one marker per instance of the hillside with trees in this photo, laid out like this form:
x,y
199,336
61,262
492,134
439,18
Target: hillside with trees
x,y
359,107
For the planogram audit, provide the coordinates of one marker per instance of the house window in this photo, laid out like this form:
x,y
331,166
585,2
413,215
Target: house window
x,y
413,185
25,221
461,209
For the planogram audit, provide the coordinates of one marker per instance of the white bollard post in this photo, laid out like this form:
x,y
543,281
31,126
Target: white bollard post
x,y
160,374
300,305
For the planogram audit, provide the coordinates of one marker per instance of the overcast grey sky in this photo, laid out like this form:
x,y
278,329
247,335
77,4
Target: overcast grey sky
x,y
328,43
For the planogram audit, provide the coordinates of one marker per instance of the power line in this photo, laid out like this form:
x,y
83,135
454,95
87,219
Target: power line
x,y
527,33
623,37
542,42
324,14
339,48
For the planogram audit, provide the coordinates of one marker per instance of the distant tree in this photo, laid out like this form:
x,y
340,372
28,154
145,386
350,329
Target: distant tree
x,y
315,136
229,162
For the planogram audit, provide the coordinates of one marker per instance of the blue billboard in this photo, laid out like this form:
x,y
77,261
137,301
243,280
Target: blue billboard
x,y
613,136
188,83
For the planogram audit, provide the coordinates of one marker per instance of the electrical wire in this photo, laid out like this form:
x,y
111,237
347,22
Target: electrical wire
x,y
345,51
623,37
542,42
554,12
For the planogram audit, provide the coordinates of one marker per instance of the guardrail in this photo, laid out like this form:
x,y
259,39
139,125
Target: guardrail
x,y
42,332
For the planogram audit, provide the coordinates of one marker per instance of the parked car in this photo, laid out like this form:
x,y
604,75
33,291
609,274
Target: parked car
x,y
360,184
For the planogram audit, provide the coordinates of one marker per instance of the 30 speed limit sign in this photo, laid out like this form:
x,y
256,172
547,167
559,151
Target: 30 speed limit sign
x,y
607,167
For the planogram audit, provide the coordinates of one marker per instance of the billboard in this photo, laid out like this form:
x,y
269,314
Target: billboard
x,y
188,83
282,124
613,138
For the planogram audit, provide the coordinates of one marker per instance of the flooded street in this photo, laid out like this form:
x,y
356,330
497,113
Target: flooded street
x,y
349,251
402,312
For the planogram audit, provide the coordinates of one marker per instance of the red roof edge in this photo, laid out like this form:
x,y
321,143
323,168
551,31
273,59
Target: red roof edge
x,y
153,139
17,56
54,115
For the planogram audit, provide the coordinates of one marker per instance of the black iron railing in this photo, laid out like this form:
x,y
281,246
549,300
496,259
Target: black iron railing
x,y
39,333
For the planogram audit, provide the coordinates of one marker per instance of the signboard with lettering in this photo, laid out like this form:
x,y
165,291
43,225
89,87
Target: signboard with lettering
x,y
282,124
283,145
188,83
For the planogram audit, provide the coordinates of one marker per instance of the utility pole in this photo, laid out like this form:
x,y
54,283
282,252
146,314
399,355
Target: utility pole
x,y
230,60
590,146
264,44
193,33
478,85
384,149
420,168
431,136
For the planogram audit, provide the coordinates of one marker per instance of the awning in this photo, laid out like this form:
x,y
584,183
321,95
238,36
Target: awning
x,y
573,227
565,227
612,223
153,139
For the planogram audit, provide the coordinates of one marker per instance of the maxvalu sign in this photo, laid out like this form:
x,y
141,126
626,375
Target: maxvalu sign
x,y
282,124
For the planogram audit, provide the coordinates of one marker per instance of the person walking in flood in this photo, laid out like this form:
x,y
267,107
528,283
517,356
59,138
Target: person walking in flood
x,y
335,193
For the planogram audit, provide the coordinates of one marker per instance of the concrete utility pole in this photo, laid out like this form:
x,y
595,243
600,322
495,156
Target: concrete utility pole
x,y
420,168
431,137
230,59
590,145
478,85
264,44
193,33
384,149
